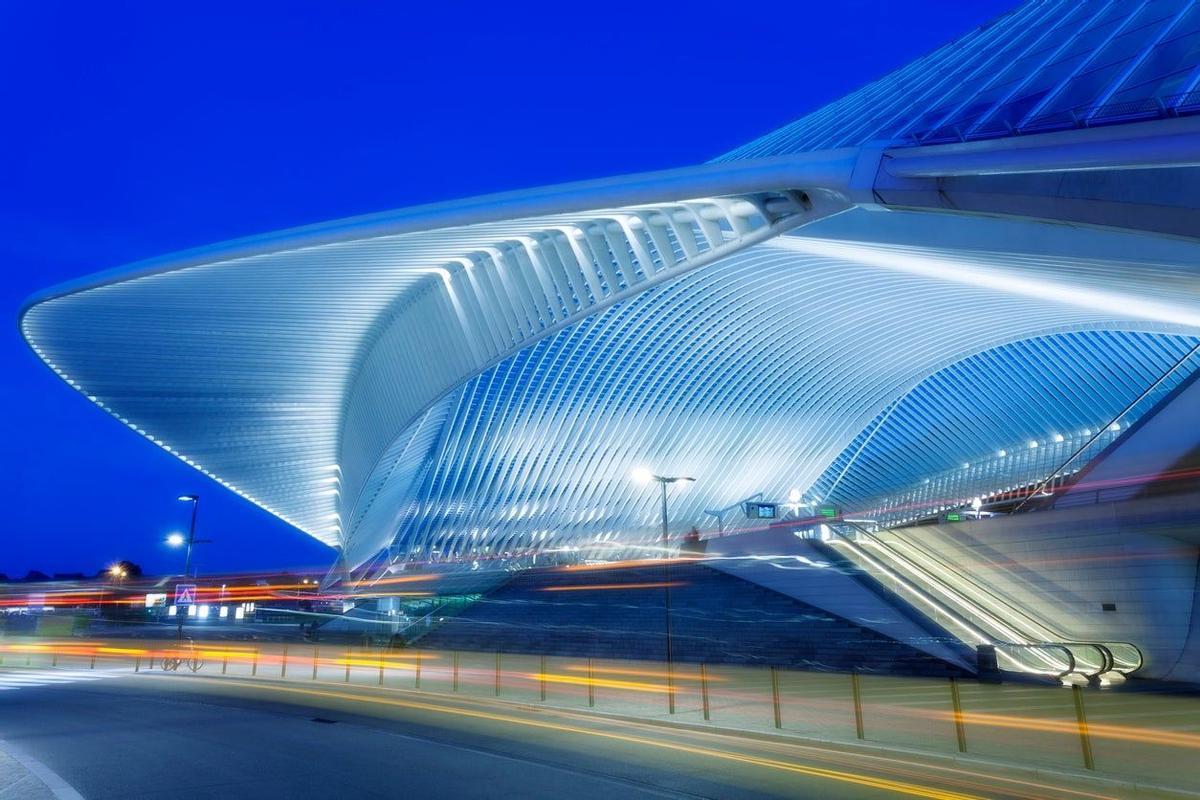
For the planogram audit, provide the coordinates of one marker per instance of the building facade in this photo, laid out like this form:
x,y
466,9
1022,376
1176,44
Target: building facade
x,y
935,289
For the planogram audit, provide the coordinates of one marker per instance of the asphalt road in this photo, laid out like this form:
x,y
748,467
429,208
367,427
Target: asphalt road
x,y
152,735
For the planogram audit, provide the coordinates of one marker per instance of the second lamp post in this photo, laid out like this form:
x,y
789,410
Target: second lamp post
x,y
643,475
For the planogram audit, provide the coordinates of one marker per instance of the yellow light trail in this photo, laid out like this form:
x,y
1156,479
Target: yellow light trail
x,y
642,673
1095,729
607,683
1100,730
885,784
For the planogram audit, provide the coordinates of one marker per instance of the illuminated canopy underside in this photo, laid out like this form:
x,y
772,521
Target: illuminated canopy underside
x,y
753,373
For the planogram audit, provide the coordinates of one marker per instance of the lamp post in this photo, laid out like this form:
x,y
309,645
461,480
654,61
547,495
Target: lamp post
x,y
644,476
194,499
177,540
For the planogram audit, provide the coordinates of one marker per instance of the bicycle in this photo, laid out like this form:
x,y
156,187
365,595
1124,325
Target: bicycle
x,y
191,660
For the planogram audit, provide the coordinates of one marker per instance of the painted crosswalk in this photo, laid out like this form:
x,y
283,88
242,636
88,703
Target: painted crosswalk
x,y
23,679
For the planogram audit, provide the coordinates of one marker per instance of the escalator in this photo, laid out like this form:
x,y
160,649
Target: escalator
x,y
977,615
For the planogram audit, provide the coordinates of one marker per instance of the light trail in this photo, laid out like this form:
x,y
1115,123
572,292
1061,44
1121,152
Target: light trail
x,y
601,587
885,784
643,673
626,564
602,683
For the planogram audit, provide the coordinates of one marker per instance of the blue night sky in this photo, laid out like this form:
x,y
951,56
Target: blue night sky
x,y
135,129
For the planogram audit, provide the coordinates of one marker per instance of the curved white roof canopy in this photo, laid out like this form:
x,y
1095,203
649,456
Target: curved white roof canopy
x,y
284,366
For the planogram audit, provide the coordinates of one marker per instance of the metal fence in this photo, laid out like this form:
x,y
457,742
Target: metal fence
x,y
1140,736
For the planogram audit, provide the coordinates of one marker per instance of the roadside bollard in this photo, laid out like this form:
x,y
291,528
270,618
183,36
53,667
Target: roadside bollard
x,y
225,663
254,665
704,691
775,698
543,677
856,692
960,724
381,667
670,687
417,673
316,657
283,662
497,673
347,678
454,682
137,664
93,664
1085,739
591,686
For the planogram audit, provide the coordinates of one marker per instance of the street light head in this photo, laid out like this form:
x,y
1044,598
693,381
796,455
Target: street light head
x,y
189,498
176,540
794,496
642,475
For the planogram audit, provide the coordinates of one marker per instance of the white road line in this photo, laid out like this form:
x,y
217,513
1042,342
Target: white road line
x,y
24,679
56,676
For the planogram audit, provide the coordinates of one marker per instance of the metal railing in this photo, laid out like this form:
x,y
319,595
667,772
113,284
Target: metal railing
x,y
1037,725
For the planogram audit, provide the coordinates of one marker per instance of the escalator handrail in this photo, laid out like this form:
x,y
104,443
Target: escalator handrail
x,y
1104,647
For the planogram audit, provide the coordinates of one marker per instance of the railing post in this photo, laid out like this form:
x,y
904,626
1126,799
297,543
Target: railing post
x,y
137,664
454,661
417,675
93,664
856,692
497,673
225,663
775,697
960,726
670,686
316,658
542,676
347,678
704,690
381,666
591,685
1085,739
54,660
283,663
254,666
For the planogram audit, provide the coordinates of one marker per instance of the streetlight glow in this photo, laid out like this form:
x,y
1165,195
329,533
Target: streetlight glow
x,y
176,540
642,475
